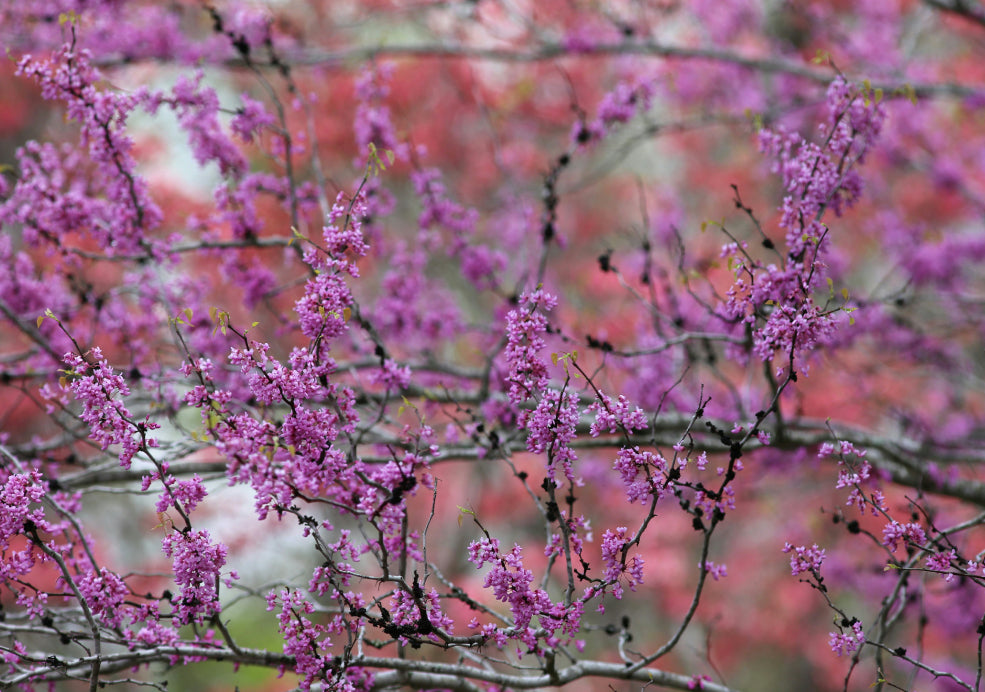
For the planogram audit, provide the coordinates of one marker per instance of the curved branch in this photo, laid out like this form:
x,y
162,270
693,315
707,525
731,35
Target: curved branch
x,y
413,673
553,51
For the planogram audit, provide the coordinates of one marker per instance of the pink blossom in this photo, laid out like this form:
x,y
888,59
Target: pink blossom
x,y
843,644
196,562
804,559
96,386
525,327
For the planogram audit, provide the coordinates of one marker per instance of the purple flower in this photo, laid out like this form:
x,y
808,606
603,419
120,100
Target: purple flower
x,y
779,300
614,545
941,562
697,682
804,559
511,582
391,375
716,571
303,639
552,427
153,633
197,109
323,309
196,562
19,492
189,493
250,119
611,416
642,473
343,234
105,593
95,386
525,327
484,550
843,644
372,122
909,534
118,211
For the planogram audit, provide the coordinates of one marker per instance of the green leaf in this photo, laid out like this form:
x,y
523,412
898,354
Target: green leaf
x,y
221,319
910,93
375,164
462,512
47,314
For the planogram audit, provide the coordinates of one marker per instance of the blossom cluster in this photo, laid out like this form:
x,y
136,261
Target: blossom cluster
x,y
855,472
20,497
105,593
40,201
305,640
279,459
525,328
373,124
941,561
804,559
551,427
615,564
197,562
197,108
716,571
512,583
509,580
343,234
843,644
778,299
619,106
322,311
481,265
909,534
615,415
21,514
643,473
184,494
420,613
97,387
